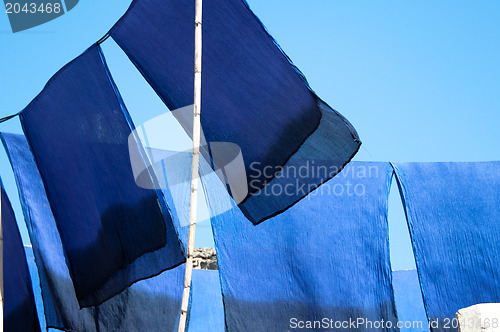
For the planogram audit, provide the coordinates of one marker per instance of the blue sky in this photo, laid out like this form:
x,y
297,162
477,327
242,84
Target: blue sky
x,y
420,80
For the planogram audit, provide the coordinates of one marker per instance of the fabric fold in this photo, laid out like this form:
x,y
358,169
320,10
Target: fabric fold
x,y
453,218
19,310
252,97
113,232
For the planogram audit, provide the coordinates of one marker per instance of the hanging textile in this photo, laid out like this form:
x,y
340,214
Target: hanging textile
x,y
253,98
326,259
19,310
35,207
452,213
35,281
151,305
409,304
113,232
207,312
148,305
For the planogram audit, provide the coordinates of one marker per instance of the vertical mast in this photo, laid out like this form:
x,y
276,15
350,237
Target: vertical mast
x,y
194,167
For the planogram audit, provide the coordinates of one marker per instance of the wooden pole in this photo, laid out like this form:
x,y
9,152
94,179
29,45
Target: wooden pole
x,y
194,167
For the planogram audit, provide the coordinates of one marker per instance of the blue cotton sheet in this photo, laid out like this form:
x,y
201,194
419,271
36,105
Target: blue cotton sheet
x,y
113,232
453,218
326,259
409,304
148,305
207,312
252,96
19,310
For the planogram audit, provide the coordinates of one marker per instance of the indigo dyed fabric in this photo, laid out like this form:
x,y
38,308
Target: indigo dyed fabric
x,y
252,96
113,232
409,303
207,312
148,305
453,217
325,260
19,310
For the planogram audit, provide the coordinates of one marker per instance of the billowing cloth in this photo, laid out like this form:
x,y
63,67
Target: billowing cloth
x,y
409,304
207,312
326,259
453,218
253,97
113,232
148,305
19,311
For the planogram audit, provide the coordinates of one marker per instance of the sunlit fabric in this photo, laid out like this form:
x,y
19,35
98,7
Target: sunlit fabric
x,y
453,217
19,311
113,232
252,96
409,304
148,305
35,281
207,312
326,257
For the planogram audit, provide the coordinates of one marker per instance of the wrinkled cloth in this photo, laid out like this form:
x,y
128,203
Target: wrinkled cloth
x,y
252,97
325,258
113,232
453,218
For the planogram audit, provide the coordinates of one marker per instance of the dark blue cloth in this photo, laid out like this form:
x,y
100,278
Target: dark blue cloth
x,y
252,95
19,310
409,303
453,217
326,259
113,232
148,305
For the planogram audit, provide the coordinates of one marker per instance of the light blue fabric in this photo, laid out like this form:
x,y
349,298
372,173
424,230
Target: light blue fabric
x,y
454,221
44,235
325,258
409,303
207,312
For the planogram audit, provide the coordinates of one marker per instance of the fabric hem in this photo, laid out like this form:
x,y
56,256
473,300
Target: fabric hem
x,y
291,205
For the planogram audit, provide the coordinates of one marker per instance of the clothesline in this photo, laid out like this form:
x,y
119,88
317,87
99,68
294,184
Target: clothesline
x,y
99,42
8,117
